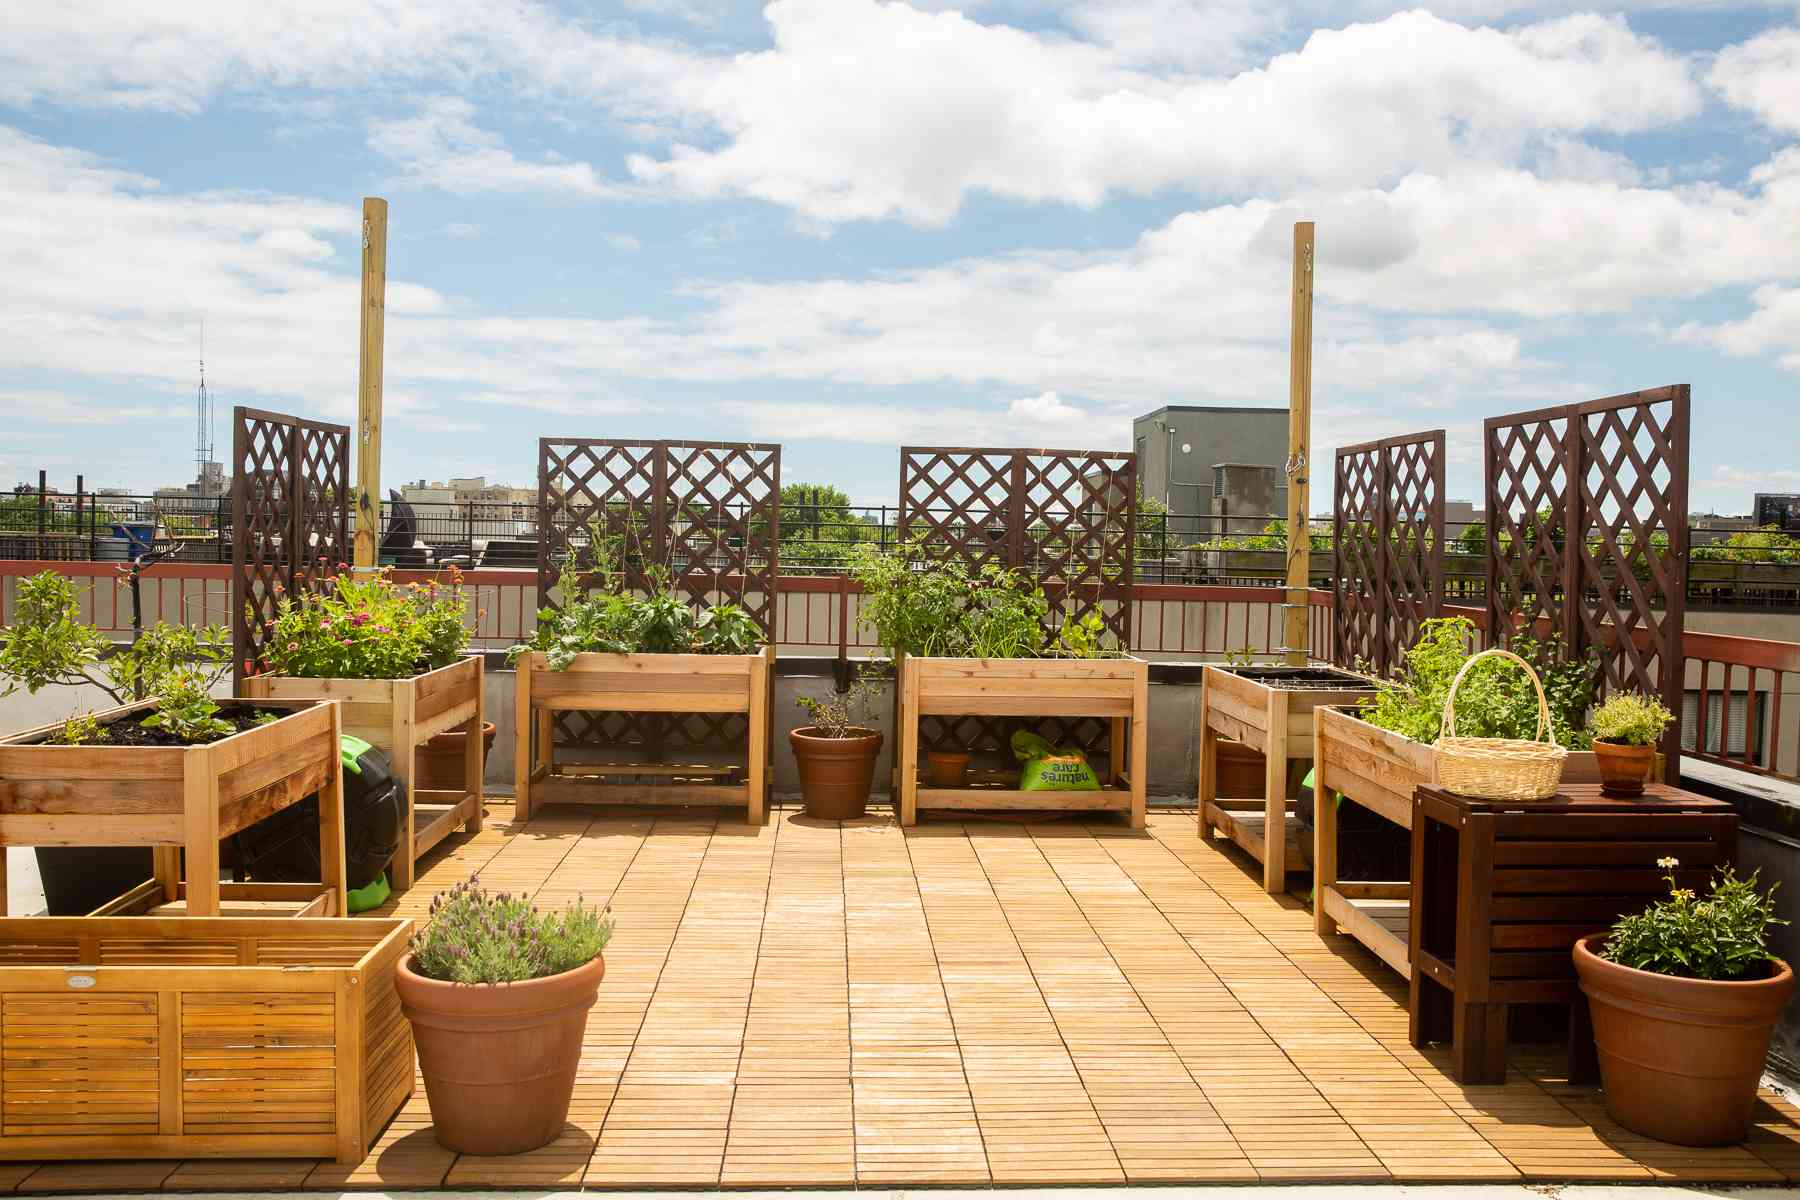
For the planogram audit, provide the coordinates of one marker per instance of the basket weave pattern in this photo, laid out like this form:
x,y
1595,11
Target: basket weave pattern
x,y
1500,768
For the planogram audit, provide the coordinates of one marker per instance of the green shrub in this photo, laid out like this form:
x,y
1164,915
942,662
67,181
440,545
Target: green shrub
x,y
474,936
1725,936
84,730
1496,700
1630,718
185,711
609,620
47,643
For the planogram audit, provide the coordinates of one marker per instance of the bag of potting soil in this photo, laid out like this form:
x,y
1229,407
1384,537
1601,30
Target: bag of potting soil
x,y
1048,769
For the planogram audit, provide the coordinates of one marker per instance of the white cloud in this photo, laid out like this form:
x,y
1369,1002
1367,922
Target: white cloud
x,y
1762,76
865,110
1774,327
442,147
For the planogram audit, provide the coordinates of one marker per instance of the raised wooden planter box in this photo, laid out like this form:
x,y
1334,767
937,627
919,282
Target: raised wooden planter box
x,y
139,1037
1269,710
1380,770
398,716
1116,688
641,683
182,798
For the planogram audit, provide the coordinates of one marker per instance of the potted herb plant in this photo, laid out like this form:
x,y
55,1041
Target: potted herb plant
x,y
836,754
395,655
498,995
1684,996
1625,730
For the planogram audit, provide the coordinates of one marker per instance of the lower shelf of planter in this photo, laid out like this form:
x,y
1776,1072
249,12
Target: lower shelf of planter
x,y
1244,822
995,799
436,815
589,789
149,899
1376,914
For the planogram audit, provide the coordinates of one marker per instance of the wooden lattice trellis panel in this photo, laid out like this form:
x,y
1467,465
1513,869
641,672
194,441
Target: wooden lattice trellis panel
x,y
1587,533
706,513
1066,518
290,518
1388,534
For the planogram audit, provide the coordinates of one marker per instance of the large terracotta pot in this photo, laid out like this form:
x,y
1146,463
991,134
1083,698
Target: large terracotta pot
x,y
439,762
1623,768
1680,1059
499,1060
835,773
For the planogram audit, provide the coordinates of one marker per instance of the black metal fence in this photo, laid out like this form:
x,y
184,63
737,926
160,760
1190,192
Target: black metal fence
x,y
1729,568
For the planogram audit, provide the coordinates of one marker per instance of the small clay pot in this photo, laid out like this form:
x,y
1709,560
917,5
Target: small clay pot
x,y
499,1059
1623,768
1680,1059
947,768
836,773
439,762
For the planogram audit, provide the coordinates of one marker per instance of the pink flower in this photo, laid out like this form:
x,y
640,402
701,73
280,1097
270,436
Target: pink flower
x,y
349,641
360,619
382,629
293,646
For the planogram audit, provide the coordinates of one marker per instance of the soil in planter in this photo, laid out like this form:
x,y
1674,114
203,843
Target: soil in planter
x,y
131,731
1303,679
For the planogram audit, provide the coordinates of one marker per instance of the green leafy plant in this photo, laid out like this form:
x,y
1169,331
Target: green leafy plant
x,y
48,644
1725,936
369,627
846,713
1081,637
85,730
185,711
605,619
924,605
1496,700
1243,657
1630,718
474,936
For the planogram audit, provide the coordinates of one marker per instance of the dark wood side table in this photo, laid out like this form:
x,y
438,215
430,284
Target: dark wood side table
x,y
1501,890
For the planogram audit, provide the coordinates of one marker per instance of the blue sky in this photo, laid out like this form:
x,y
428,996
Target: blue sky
x,y
846,225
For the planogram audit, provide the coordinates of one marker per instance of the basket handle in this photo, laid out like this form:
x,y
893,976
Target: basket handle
x,y
1544,722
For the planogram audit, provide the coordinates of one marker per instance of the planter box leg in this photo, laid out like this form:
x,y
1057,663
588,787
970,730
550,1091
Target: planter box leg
x,y
1209,776
756,783
1275,798
200,801
523,725
474,765
406,765
332,871
907,761
1325,840
1140,746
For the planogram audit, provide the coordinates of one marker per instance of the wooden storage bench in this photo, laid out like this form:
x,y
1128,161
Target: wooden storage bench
x,y
1269,710
182,798
640,683
143,1037
398,716
1380,770
1115,688
1505,888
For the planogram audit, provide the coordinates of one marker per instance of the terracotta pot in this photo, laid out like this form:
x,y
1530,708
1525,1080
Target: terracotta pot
x,y
439,762
835,773
1241,771
947,768
1680,1058
1623,768
499,1060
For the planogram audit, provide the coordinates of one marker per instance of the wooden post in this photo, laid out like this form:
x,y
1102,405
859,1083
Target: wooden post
x,y
368,421
1299,534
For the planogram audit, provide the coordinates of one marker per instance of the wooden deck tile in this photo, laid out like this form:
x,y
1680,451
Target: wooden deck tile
x,y
405,1157
121,1176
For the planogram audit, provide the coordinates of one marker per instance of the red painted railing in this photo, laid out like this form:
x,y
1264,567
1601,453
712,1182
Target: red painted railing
x,y
821,615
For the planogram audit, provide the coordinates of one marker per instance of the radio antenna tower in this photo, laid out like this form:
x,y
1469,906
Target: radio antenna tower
x,y
203,443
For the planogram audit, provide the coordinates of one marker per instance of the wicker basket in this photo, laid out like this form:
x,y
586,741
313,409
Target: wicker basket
x,y
1499,768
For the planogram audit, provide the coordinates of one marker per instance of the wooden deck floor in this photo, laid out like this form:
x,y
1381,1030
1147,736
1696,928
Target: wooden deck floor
x,y
998,1002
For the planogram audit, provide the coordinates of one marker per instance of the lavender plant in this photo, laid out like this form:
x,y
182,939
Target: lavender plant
x,y
475,936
